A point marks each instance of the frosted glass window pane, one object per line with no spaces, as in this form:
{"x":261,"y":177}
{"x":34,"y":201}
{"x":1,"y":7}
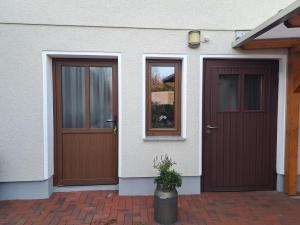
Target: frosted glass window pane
{"x":73,"y":97}
{"x":101,"y":97}
{"x":228,"y":93}
{"x":253,"y":92}
{"x":163,"y":96}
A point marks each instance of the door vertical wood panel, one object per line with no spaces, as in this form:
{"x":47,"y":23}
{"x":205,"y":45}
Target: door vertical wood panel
{"x":240,"y":122}
{"x":85,"y":154}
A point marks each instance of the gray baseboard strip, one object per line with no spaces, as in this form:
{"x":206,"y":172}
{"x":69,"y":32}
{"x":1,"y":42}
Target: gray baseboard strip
{"x":26,"y":190}
{"x":127,"y":186}
{"x":146,"y":186}
{"x":280,"y":183}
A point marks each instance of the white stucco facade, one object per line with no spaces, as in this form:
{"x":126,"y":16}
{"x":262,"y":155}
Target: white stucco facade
{"x":214,"y":14}
{"x":128,"y":30}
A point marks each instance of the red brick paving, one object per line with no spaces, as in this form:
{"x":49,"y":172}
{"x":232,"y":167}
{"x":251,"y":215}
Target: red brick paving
{"x":107,"y":208}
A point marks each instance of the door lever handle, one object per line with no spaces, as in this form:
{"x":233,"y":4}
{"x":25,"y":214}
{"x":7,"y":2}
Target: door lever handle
{"x":115,"y":129}
{"x":114,"y":121}
{"x":211,"y":127}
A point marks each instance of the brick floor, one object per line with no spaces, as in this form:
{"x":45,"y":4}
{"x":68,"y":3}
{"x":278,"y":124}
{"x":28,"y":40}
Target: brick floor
{"x":107,"y":208}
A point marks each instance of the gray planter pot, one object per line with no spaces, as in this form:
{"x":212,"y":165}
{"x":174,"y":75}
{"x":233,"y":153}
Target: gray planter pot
{"x":165,"y":206}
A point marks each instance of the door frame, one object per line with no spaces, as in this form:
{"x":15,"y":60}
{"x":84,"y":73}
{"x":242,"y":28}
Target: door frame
{"x":48,"y":105}
{"x":86,"y":63}
{"x":281,"y":113}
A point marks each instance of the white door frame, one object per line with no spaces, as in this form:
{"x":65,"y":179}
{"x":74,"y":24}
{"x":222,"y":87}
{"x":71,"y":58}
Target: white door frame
{"x":48,"y":128}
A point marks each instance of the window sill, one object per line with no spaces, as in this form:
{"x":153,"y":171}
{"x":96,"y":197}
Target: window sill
{"x":164,"y":138}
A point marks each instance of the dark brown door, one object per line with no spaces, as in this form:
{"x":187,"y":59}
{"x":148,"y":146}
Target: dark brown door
{"x":86,"y":122}
{"x":239,"y":125}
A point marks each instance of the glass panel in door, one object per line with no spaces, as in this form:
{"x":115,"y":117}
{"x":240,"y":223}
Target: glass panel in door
{"x":73,"y":97}
{"x":253,"y":92}
{"x":228,"y":93}
{"x":101,"y":97}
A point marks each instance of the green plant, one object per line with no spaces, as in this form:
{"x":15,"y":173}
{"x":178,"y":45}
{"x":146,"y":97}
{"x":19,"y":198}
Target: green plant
{"x":168,"y":178}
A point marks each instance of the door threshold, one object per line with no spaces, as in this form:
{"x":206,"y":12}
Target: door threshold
{"x":295,"y":196}
{"x":86,"y":188}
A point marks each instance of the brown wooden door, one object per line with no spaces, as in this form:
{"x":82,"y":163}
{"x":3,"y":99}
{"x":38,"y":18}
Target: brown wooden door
{"x":86,"y":122}
{"x":240,"y":125}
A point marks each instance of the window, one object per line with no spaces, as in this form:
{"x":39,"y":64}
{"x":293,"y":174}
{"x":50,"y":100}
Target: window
{"x":101,"y":97}
{"x":253,"y":92}
{"x":73,"y":97}
{"x":163,"y":97}
{"x":87,"y":92}
{"x":228,"y":93}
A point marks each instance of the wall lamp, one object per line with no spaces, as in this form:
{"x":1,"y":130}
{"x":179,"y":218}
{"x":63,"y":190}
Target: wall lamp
{"x":195,"y":39}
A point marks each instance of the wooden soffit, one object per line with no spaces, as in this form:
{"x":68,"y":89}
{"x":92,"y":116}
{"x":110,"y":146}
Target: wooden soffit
{"x":272,"y":43}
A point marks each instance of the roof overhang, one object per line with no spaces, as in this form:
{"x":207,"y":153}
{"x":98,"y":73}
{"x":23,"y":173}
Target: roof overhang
{"x":273,"y":29}
{"x":283,"y":31}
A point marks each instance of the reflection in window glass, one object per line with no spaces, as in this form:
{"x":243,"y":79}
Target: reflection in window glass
{"x":228,"y":93}
{"x":253,"y":92}
{"x":73,"y":97}
{"x":100,"y":97}
{"x":163,"y":96}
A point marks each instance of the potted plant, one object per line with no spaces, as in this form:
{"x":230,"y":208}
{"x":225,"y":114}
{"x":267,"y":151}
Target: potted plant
{"x":165,"y":195}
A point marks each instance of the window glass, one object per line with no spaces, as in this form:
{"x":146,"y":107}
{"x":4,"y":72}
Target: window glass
{"x":73,"y":97}
{"x":228,"y":93}
{"x":163,"y":97}
{"x":101,"y":97}
{"x":253,"y":92}
{"x":163,"y":112}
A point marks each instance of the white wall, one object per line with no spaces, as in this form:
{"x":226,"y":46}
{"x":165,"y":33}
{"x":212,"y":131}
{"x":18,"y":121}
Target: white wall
{"x":21,"y":88}
{"x":21,"y":115}
{"x":177,"y":14}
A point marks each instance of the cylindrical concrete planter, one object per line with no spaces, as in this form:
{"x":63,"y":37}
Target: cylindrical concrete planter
{"x":165,"y":206}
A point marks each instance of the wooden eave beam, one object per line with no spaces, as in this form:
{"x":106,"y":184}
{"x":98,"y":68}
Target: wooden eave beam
{"x":292,"y":121}
{"x":293,"y":22}
{"x":272,"y":43}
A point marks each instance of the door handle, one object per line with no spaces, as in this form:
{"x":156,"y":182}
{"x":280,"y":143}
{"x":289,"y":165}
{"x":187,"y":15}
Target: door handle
{"x":115,"y":124}
{"x":115,"y":129}
{"x":211,"y":127}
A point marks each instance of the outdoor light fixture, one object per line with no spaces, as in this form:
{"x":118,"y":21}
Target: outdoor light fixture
{"x":194,"y":38}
